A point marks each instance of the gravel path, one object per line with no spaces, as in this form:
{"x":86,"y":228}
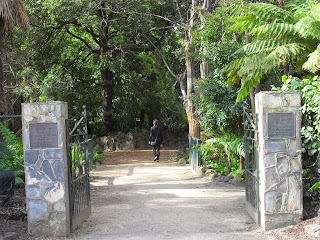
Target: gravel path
{"x":136,"y":198}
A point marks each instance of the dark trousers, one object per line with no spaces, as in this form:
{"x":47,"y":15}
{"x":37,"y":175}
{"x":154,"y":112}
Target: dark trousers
{"x":156,"y":151}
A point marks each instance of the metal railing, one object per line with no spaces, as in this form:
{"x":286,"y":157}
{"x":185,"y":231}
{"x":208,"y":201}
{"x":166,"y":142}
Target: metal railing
{"x":250,"y":141}
{"x":80,"y":158}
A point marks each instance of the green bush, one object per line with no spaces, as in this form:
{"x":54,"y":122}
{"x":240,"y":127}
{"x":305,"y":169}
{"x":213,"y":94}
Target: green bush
{"x":11,"y":153}
{"x":223,"y":153}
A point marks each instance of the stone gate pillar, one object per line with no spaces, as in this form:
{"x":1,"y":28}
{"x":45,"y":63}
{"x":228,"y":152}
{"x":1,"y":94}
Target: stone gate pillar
{"x":45,"y":156}
{"x":278,"y":118}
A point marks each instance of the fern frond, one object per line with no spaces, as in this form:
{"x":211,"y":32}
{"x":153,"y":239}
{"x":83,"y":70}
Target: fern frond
{"x":314,"y":9}
{"x":285,"y":53}
{"x":269,"y":12}
{"x":243,"y":23}
{"x":256,"y":14}
{"x":275,"y":30}
{"x":308,"y":28}
{"x":245,"y":88}
{"x":259,"y":46}
{"x":313,"y":62}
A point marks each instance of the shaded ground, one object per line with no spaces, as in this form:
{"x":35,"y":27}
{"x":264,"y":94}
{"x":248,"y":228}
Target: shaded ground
{"x":136,"y":198}
{"x":13,"y":214}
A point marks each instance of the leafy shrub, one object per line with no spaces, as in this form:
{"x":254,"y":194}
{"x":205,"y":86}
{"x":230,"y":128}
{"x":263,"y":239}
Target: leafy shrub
{"x":222,"y":153}
{"x":11,"y":153}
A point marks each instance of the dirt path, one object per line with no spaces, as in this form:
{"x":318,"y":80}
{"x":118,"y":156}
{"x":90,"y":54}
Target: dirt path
{"x":136,"y":198}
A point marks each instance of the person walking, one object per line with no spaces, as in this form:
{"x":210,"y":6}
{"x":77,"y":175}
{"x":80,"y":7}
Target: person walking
{"x":156,"y":139}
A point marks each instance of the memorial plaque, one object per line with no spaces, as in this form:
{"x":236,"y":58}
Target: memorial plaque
{"x":281,"y":125}
{"x":43,"y":135}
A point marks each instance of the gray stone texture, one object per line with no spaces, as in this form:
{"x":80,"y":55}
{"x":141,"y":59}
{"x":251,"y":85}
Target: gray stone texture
{"x":130,"y":141}
{"x":37,"y":210}
{"x":280,"y":178}
{"x":46,"y":168}
{"x":275,"y":145}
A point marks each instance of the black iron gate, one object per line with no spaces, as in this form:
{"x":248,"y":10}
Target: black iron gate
{"x":194,"y":155}
{"x":251,"y":164}
{"x":80,"y":153}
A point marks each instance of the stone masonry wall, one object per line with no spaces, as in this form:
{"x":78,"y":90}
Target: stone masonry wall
{"x":279,"y":121}
{"x":130,"y":141}
{"x":44,"y":139}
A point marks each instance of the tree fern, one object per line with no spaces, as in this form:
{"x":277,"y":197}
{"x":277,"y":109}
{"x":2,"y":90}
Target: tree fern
{"x":281,"y":36}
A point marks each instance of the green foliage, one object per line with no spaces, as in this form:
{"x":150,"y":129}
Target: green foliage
{"x":97,"y":155}
{"x":315,"y":186}
{"x":11,"y":153}
{"x":310,"y":93}
{"x":223,"y":152}
{"x":214,"y":99}
{"x":216,"y":106}
{"x":280,"y":36}
{"x":60,"y":58}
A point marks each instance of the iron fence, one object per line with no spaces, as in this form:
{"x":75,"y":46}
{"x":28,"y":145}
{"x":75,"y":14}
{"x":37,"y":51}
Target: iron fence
{"x":194,"y":155}
{"x":250,"y":142}
{"x":80,"y":159}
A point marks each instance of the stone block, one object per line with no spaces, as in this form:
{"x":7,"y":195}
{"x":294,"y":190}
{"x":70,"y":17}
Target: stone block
{"x":294,"y":147}
{"x":280,"y":220}
{"x":47,"y":170}
{"x":275,"y":146}
{"x":55,"y":193}
{"x":8,"y":235}
{"x":25,"y":138}
{"x":31,"y":157}
{"x":35,"y":177}
{"x":32,"y":192}
{"x":282,"y":186}
{"x":294,"y":199}
{"x":58,"y":170}
{"x":37,"y":210}
{"x":273,"y":201}
{"x":272,"y":177}
{"x":38,"y":164}
{"x":53,"y":153}
{"x":269,"y":160}
{"x":283,"y":167}
{"x":295,"y":165}
{"x":60,"y":206}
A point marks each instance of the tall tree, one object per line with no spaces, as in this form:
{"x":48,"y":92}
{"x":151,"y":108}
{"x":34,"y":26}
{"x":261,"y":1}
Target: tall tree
{"x":108,"y":30}
{"x":187,"y":22}
{"x":12,"y":13}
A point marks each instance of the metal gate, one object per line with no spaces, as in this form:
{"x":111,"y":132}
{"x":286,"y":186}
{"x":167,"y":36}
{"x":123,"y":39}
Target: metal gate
{"x":80,"y":153}
{"x":251,"y":164}
{"x":194,"y":155}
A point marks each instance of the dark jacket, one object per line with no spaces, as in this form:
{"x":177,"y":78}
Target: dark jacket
{"x":156,"y":134}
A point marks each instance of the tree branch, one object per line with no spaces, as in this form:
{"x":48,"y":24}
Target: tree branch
{"x":82,"y":40}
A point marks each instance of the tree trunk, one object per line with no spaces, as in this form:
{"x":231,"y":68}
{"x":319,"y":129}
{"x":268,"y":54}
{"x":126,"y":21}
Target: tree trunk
{"x":204,"y":66}
{"x":2,"y":80}
{"x":194,"y":126}
{"x":107,"y":80}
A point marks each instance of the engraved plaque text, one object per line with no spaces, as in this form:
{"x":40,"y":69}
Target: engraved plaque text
{"x":281,"y":125}
{"x":43,"y":135}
